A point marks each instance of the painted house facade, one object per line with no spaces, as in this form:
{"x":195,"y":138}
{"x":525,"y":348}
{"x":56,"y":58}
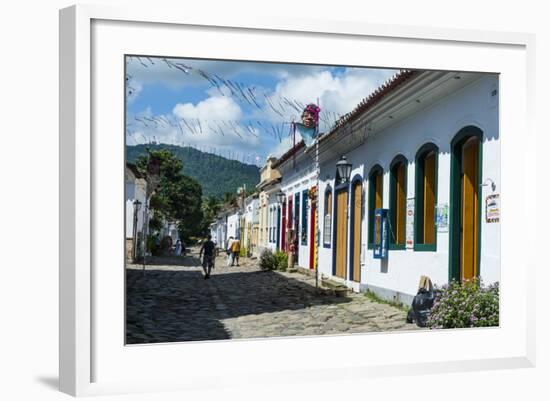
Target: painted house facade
{"x":225,"y":225}
{"x":425,"y":147}
{"x":297,"y":212}
{"x":233,"y":223}
{"x":136,"y":187}
{"x":249,"y":222}
{"x":267,"y":188}
{"x":218,"y":229}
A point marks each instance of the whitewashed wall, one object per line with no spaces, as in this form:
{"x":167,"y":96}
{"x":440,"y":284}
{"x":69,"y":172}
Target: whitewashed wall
{"x":218,"y":231}
{"x":232,"y":225}
{"x":472,"y":105}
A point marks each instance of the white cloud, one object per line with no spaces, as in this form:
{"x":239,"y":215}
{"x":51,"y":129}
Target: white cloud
{"x":281,"y":148}
{"x":213,"y":122}
{"x":337,"y":94}
{"x":339,"y":91}
{"x":213,"y":108}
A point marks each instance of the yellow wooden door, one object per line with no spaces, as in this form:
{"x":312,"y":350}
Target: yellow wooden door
{"x":341,"y":233}
{"x":358,"y":200}
{"x":378,"y":191}
{"x":470,"y":185}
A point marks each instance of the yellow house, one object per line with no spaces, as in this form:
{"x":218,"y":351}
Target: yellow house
{"x":267,"y":188}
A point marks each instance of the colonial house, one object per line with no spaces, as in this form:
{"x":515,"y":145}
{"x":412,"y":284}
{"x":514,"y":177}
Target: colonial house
{"x":249,"y":223}
{"x":170,"y":229}
{"x":135,"y":200}
{"x":268,"y":186}
{"x":297,"y":212}
{"x":218,"y":229}
{"x":425,"y":149}
{"x":225,"y":225}
{"x":233,"y":223}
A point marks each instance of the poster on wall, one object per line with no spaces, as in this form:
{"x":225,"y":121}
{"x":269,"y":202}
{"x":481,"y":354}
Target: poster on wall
{"x":381,"y":234}
{"x":492,"y":208}
{"x":409,"y":241}
{"x":442,"y":218}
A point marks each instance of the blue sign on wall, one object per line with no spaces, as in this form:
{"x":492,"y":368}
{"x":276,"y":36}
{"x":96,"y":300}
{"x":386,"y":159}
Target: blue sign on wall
{"x":381,"y":234}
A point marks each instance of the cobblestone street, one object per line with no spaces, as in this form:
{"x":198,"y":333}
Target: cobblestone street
{"x":172,"y":302}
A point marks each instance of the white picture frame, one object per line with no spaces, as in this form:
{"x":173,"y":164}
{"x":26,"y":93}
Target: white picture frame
{"x":93,"y":358}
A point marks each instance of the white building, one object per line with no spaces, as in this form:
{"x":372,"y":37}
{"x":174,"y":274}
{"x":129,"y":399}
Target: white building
{"x":170,"y":229}
{"x":135,"y":200}
{"x":225,"y":225}
{"x":425,"y":147}
{"x":218,"y":230}
{"x":233,"y":224}
{"x":297,"y":213}
{"x":249,"y":224}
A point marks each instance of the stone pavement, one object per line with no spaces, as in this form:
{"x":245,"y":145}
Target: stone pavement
{"x":173,"y":302}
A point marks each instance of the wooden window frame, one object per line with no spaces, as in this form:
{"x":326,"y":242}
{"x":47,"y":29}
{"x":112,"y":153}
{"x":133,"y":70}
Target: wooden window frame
{"x":419,"y":208}
{"x":327,"y":203}
{"x":374,"y":171}
{"x":396,"y":162}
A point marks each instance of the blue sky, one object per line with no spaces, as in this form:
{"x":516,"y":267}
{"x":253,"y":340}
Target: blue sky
{"x":235,"y":109}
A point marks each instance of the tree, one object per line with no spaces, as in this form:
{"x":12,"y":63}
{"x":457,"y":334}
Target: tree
{"x":210,"y":208}
{"x":178,"y":197}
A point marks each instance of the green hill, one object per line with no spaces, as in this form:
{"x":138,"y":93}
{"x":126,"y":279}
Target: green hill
{"x":216,"y":175}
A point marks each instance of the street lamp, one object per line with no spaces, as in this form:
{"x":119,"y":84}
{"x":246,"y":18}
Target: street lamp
{"x":344,"y":169}
{"x":137,"y":205}
{"x":280,"y":197}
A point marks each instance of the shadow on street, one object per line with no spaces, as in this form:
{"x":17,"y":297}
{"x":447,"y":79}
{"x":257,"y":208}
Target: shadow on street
{"x":179,"y":305}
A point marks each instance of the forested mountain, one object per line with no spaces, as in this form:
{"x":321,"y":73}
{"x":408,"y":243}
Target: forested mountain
{"x":217,"y":175}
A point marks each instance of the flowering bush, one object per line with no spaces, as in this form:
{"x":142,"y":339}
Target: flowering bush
{"x":470,"y":304}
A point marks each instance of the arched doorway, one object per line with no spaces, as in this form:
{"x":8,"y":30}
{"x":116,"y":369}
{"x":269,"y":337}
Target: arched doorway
{"x":465,"y":208}
{"x":340,"y":230}
{"x":356,"y":209}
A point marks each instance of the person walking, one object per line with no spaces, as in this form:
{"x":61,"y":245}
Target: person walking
{"x":207,"y":249}
{"x":229,"y":253}
{"x":235,"y":250}
{"x":178,"y":248}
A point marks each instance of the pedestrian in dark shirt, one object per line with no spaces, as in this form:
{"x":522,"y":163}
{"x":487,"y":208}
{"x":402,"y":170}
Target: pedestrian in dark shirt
{"x":207,"y":249}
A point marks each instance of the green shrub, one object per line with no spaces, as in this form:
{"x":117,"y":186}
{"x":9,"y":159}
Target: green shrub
{"x":267,"y":260}
{"x":152,"y":246}
{"x":243,"y":253}
{"x":470,"y":304}
{"x":273,"y":261}
{"x":281,"y":260}
{"x":165,"y":244}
